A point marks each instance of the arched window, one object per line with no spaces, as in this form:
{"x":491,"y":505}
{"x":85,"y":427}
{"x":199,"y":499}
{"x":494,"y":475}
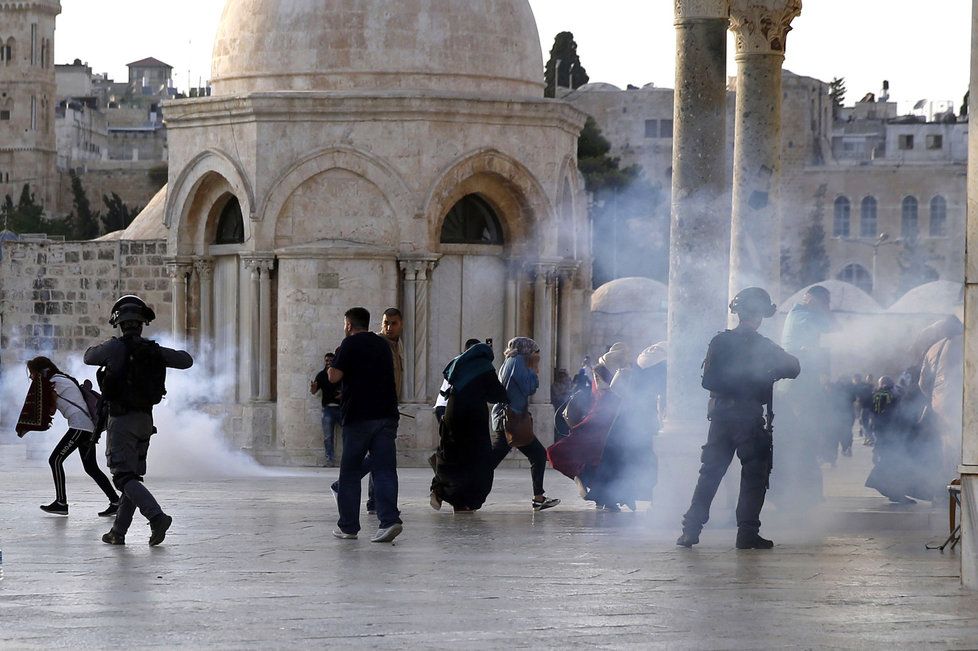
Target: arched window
{"x":843,"y":212}
{"x":7,"y":51}
{"x":857,"y":275}
{"x":471,"y":221}
{"x":908,"y":220}
{"x":938,"y":217}
{"x":867,"y":218}
{"x":230,"y":225}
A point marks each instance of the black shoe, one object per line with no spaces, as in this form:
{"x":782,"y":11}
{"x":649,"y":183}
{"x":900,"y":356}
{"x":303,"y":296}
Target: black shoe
{"x":56,"y":508}
{"x":109,"y":512}
{"x":114,"y":538}
{"x":688,"y":539}
{"x":159,"y":525}
{"x":753,"y":540}
{"x":545,"y":503}
{"x":371,"y":507}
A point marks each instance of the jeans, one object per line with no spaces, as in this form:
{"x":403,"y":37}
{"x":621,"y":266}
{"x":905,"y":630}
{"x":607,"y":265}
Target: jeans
{"x":535,"y":452}
{"x":376,"y":438}
{"x":331,"y":418}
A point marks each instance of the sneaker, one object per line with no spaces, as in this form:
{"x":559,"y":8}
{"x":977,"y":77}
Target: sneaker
{"x":334,"y":490}
{"x":688,"y":539}
{"x":342,"y":535}
{"x":113,"y":538}
{"x":581,"y":488}
{"x":545,"y":503}
{"x":389,"y":534}
{"x":434,"y":501}
{"x":610,"y":508}
{"x":159,"y":526}
{"x":753,"y":540}
{"x":112,"y":510}
{"x":56,"y":508}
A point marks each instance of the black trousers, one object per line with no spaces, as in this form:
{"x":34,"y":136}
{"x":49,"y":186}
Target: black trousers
{"x":752,"y":444}
{"x":76,"y":439}
{"x":535,"y":452}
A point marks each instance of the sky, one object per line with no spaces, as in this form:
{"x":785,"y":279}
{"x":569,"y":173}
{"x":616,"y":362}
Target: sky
{"x":922,"y":48}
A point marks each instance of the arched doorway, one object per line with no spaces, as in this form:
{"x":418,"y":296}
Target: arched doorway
{"x":223,"y":331}
{"x":469,"y":285}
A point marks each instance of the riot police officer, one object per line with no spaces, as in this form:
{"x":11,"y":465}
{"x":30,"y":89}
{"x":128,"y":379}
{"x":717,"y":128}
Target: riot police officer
{"x":740,"y":370}
{"x":132,"y":381}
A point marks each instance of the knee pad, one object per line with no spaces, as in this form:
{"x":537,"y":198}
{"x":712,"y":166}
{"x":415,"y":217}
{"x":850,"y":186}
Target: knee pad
{"x":124,"y":478}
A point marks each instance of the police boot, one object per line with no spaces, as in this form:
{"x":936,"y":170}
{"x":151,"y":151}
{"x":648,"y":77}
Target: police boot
{"x":752,"y":540}
{"x":689,"y":538}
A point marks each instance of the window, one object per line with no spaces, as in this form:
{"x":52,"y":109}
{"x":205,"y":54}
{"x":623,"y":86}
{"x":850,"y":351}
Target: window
{"x":33,"y":113}
{"x":7,"y":52}
{"x":905,"y":141}
{"x":665,"y":128}
{"x":857,"y":275}
{"x":230,"y":225}
{"x":908,"y":221}
{"x":938,"y":217}
{"x":4,"y":115}
{"x":843,"y":211}
{"x":867,"y":218}
{"x":935,"y":142}
{"x":471,"y":221}
{"x":651,"y":128}
{"x":33,"y":43}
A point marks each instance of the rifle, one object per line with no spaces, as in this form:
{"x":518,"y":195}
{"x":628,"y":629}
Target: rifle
{"x":769,"y":428}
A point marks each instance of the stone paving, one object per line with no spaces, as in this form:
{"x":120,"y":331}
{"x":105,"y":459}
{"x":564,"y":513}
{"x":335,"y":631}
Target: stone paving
{"x":250,"y":563}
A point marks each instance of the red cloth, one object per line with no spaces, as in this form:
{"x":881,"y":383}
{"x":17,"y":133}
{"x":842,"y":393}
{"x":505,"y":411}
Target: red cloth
{"x":39,"y":407}
{"x":584,"y":445}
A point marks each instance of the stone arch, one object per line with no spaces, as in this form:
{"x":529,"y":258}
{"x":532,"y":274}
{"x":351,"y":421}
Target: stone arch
{"x":856,"y":274}
{"x":371,"y":169}
{"x":207,"y":180}
{"x":568,"y":192}
{"x":515,"y":194}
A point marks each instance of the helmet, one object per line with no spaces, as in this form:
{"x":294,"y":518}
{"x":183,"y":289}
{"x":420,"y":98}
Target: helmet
{"x":131,"y":308}
{"x":753,"y":301}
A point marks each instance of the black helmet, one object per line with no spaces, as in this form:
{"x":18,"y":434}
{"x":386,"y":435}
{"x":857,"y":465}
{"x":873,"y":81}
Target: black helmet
{"x":131,"y":308}
{"x":753,"y":301}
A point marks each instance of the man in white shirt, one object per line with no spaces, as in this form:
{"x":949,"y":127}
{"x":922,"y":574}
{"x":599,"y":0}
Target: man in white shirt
{"x":71,"y":403}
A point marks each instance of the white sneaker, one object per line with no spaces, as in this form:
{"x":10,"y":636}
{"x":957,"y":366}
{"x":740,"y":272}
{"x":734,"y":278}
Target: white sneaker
{"x":336,"y":496}
{"x":342,"y":535}
{"x":389,"y":534}
{"x":581,"y":488}
{"x":434,"y":501}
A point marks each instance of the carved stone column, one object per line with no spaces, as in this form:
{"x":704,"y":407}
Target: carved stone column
{"x":969,"y":443}
{"x":254,"y":266}
{"x":565,"y":317}
{"x":700,"y":228}
{"x":761,"y":27}
{"x":266,"y":267}
{"x":512,"y":301}
{"x":205,"y":276}
{"x":179,"y":271}
{"x":422,"y":312}
{"x":409,"y":274}
{"x":543,"y":329}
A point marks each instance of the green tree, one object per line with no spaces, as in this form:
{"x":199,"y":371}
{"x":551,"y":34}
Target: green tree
{"x":27,"y":216}
{"x":964,"y":104}
{"x":601,"y":170}
{"x":117,"y":214}
{"x":915,"y":268}
{"x":570,"y":72}
{"x":84,"y":223}
{"x":837,"y":93}
{"x":814,"y":263}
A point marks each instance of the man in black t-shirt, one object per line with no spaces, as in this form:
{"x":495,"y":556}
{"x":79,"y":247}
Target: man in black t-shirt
{"x":331,"y":406}
{"x":364,"y":368}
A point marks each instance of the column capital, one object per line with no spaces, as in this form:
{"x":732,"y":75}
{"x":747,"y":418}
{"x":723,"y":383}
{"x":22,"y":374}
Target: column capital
{"x":762,"y":26}
{"x":204,"y":266}
{"x":701,"y":9}
{"x":178,"y":268}
{"x":417,"y":267}
{"x":544,"y":267}
{"x":258,"y":261}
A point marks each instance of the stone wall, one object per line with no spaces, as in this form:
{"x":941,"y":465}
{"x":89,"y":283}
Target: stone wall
{"x":56,"y":296}
{"x":136,"y":182}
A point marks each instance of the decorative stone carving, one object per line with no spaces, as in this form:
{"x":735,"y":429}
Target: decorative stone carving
{"x":762,"y":26}
{"x":698,"y":9}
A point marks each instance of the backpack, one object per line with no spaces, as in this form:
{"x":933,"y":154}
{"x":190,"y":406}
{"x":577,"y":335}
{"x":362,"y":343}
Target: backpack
{"x":141,"y":382}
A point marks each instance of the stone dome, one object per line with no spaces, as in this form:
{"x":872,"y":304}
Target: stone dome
{"x":486,"y":47}
{"x":627,"y":295}
{"x":937,"y":297}
{"x":845,"y":297}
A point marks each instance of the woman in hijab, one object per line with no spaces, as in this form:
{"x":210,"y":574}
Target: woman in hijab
{"x":519,"y":376}
{"x":463,"y":462}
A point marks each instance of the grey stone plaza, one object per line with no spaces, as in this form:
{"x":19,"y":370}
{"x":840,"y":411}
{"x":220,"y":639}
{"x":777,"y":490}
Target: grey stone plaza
{"x":250,"y":563}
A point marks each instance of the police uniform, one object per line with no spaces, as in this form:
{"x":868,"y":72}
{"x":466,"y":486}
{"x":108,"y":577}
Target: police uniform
{"x":740,"y":369}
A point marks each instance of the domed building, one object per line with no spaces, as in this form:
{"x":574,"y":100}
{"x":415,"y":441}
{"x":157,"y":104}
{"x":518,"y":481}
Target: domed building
{"x":363,"y":152}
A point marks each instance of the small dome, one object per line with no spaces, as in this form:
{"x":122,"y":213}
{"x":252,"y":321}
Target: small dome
{"x":148,"y":224}
{"x":846,"y":297}
{"x":599,"y":87}
{"x":489,"y":47}
{"x":938,"y":297}
{"x":626,"y":295}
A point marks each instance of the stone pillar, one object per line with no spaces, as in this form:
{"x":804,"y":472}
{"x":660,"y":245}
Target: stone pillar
{"x":205,"y":276}
{"x":700,"y":236}
{"x":253,"y":265}
{"x":265,"y":266}
{"x":409,"y":274}
{"x":565,"y":317}
{"x":543,"y":306}
{"x":969,"y":443}
{"x":761,"y":27}
{"x":179,"y":272}
{"x":512,"y":302}
{"x":422,"y":313}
